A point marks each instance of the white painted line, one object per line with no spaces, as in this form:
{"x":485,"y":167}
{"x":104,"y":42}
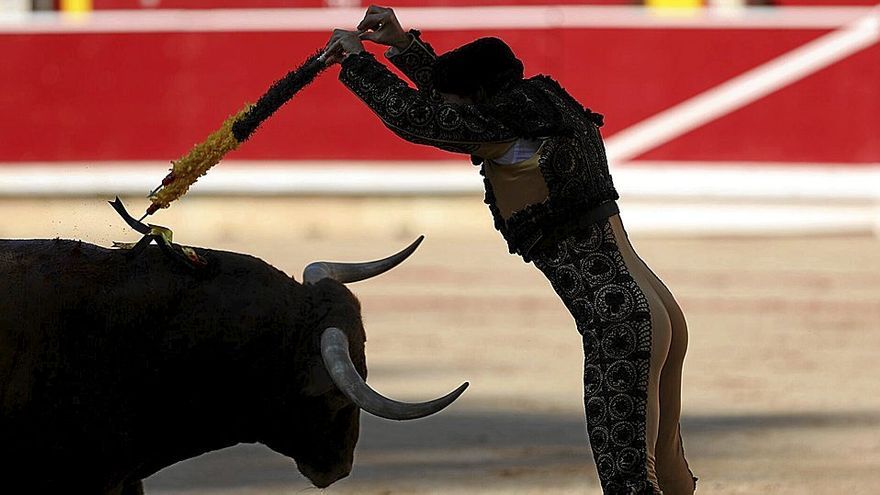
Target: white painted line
{"x":245,"y":178}
{"x":748,"y":219}
{"x":752,"y":181}
{"x":666,"y":198}
{"x":745,"y":88}
{"x":635,"y":180}
{"x":429,"y":18}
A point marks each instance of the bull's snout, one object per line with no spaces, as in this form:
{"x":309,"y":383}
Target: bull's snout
{"x":324,"y":477}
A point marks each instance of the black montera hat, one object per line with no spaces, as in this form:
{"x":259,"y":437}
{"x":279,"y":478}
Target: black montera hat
{"x":486,"y":63}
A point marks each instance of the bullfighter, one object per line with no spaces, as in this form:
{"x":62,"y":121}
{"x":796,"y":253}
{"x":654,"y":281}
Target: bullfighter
{"x":553,"y":200}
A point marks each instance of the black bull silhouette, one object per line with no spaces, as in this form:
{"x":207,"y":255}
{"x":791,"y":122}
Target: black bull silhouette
{"x":114,"y":367}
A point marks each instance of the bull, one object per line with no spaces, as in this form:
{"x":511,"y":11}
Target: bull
{"x":114,"y":367}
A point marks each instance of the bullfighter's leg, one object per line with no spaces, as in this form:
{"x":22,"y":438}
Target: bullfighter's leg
{"x":673,"y":472}
{"x":659,"y":332}
{"x":661,"y":339}
{"x":626,"y":334}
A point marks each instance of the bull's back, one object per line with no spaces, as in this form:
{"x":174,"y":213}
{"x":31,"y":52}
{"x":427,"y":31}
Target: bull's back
{"x":56,"y":275}
{"x":73,"y":311}
{"x":46,"y":281}
{"x":53,"y":293}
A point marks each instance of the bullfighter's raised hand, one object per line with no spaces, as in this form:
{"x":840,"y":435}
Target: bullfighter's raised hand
{"x":382,"y":27}
{"x":341,"y":44}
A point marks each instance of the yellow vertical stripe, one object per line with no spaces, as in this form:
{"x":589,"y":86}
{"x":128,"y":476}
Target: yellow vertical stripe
{"x":76,"y":5}
{"x":674,"y":4}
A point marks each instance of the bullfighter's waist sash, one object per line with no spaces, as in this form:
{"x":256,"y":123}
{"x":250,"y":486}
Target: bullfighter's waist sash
{"x":552,"y":234}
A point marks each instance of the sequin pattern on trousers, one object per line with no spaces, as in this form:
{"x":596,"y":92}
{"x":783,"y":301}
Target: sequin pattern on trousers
{"x":612,"y":314}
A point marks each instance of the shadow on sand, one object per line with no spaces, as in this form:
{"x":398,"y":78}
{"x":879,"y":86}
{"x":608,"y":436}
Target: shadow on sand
{"x":494,"y":443}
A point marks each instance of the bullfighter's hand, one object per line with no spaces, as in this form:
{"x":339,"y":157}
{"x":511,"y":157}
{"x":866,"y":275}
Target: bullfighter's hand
{"x":342,"y":43}
{"x":383,"y":28}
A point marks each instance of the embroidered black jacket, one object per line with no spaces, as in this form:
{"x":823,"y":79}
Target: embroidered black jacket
{"x":572,"y":160}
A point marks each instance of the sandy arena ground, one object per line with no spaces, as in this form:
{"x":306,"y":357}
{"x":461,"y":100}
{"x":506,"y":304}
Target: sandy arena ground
{"x":780,"y":384}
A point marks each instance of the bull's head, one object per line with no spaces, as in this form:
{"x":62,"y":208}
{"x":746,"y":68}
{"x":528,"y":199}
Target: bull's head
{"x":323,"y":446}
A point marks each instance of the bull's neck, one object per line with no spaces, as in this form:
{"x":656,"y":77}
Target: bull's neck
{"x":217,"y":395}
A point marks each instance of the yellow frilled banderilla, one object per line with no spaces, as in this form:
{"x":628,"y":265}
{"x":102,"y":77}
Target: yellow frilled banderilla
{"x":234,"y":131}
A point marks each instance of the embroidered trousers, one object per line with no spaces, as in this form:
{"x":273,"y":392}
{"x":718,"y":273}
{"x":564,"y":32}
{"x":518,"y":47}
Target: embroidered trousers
{"x":635,"y":339}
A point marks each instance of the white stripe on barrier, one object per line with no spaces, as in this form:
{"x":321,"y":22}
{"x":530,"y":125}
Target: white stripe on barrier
{"x":244,"y":178}
{"x":658,"y":197}
{"x":434,"y":18}
{"x":774,"y":219}
{"x":722,"y":180}
{"x":745,"y":89}
{"x":749,"y":181}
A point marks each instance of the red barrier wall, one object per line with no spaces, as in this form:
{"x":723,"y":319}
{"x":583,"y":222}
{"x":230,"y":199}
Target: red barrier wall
{"x":204,"y":4}
{"x":255,"y":4}
{"x":258,"y":4}
{"x":132,"y":96}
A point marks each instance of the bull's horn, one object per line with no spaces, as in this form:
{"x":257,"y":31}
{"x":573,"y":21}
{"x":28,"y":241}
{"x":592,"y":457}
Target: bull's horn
{"x":334,"y":350}
{"x":353,"y":272}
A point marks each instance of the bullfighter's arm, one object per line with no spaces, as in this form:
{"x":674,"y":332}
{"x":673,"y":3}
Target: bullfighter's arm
{"x":416,"y":116}
{"x":416,"y":61}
